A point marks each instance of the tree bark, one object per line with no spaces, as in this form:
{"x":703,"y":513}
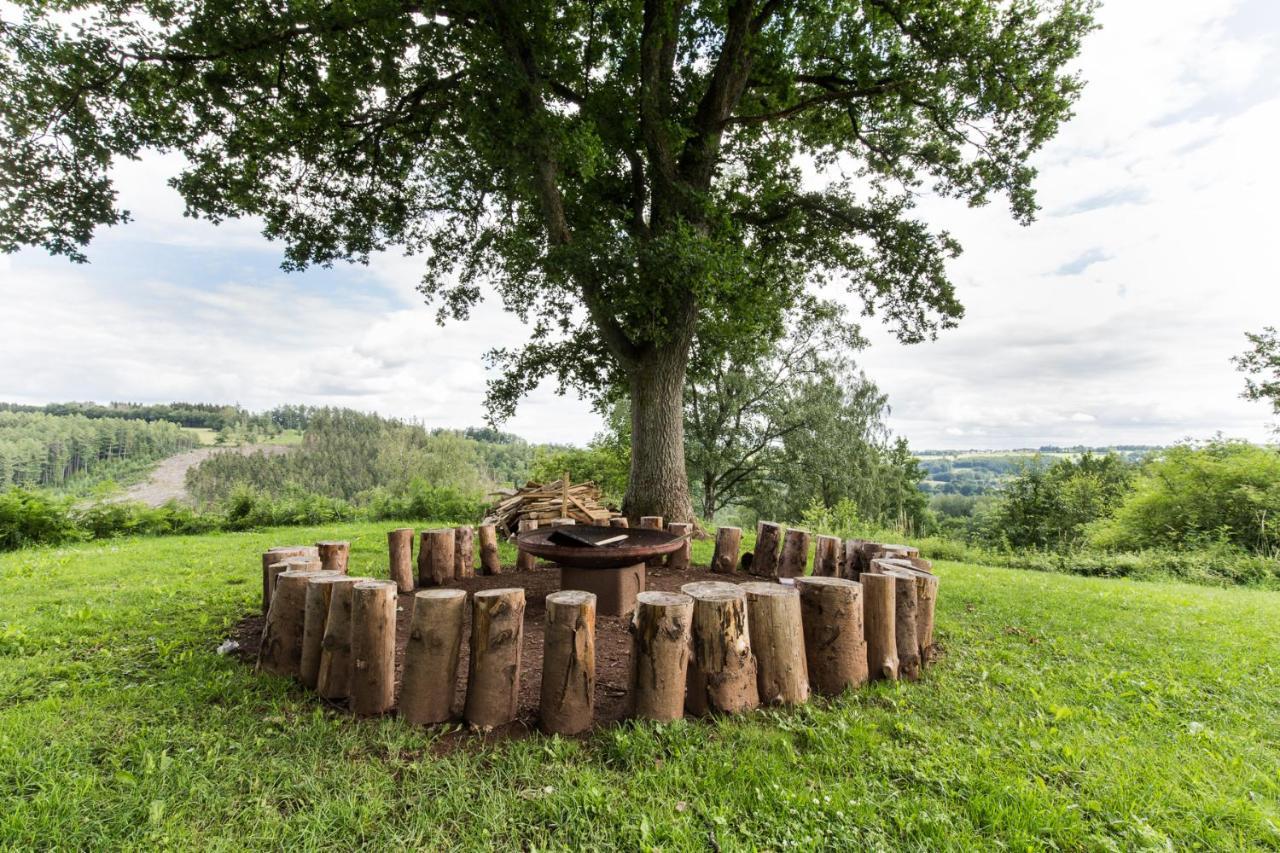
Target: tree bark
{"x":333,"y":681}
{"x":878,"y":596}
{"x":319,"y":592}
{"x":777,"y":641}
{"x":493,"y":673}
{"x":725,"y":559}
{"x":373,"y":647}
{"x":281,"y":649}
{"x":660,"y":638}
{"x":722,"y":670}
{"x":524,"y":560}
{"x":795,"y":554}
{"x":851,"y":562}
{"x":679,"y":560}
{"x":400,"y":550}
{"x":619,"y":521}
{"x":490,"y":557}
{"x":905,"y":632}
{"x":464,"y":552}
{"x":274,"y":556}
{"x":334,"y":556}
{"x":764,"y":560}
{"x":431,"y":656}
{"x":826,"y":557}
{"x":435,"y":557}
{"x":568,"y":696}
{"x":926,"y":599}
{"x":658,"y":483}
{"x":835,"y":646}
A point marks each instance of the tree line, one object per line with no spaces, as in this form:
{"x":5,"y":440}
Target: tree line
{"x":38,"y":449}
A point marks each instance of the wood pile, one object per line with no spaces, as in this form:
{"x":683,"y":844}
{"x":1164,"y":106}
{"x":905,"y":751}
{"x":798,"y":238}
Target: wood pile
{"x":545,"y":502}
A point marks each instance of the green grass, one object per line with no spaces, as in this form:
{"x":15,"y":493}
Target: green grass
{"x":1068,"y":712}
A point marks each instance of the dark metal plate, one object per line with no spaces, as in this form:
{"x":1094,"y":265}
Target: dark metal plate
{"x":641,"y":544}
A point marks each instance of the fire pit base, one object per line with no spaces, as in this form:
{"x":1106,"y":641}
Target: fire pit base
{"x":615,"y":589}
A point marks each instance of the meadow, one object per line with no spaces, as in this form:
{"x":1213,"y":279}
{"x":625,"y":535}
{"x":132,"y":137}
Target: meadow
{"x":1068,"y":712}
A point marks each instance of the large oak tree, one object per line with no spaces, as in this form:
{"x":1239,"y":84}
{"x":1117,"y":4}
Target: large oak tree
{"x":625,"y":175}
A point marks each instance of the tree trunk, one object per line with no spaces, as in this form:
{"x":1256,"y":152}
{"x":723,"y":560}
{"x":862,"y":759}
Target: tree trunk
{"x":431,"y":656}
{"x":334,"y":556}
{"x":658,"y":483}
{"x":835,"y":646}
{"x":281,"y":649}
{"x":334,"y":678}
{"x":679,"y":560}
{"x":905,"y":633}
{"x":795,"y":554}
{"x":777,"y":641}
{"x":568,"y":696}
{"x":826,"y":557}
{"x":851,"y":561}
{"x":400,"y":550}
{"x":464,"y":552}
{"x":725,"y":559}
{"x":722,"y":671}
{"x":524,"y":560}
{"x":493,"y":671}
{"x":318,"y":595}
{"x":373,"y":647}
{"x":490,"y":561}
{"x":764,"y":560}
{"x":926,"y":598}
{"x":435,"y":557}
{"x":277,"y":555}
{"x":877,"y":613}
{"x":660,"y":655}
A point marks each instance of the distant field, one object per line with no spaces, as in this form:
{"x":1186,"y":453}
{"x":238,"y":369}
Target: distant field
{"x":205,"y":436}
{"x":209,"y":437}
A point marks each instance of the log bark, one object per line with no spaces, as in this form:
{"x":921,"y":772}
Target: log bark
{"x":524,"y":560}
{"x":851,"y":560}
{"x":334,"y":556}
{"x":464,"y":552}
{"x":826,"y":557}
{"x":764,"y":559}
{"x":724,"y":561}
{"x":878,"y":601}
{"x":281,"y":649}
{"x":400,"y":553}
{"x":373,"y":647}
{"x":905,"y":632}
{"x":493,"y":673}
{"x":926,"y":601}
{"x":274,"y":556}
{"x":288,"y":564}
{"x":560,"y":522}
{"x":652,"y":522}
{"x":333,"y":681}
{"x":619,"y":521}
{"x":435,"y":557}
{"x":679,"y":559}
{"x":568,"y":697}
{"x":319,"y":592}
{"x":777,"y":641}
{"x":490,"y":559}
{"x":795,"y":554}
{"x":660,"y":639}
{"x":431,"y":656}
{"x":834,"y":642}
{"x":722,"y":669}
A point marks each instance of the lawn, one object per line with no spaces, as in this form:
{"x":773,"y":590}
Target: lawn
{"x":1070,"y":712}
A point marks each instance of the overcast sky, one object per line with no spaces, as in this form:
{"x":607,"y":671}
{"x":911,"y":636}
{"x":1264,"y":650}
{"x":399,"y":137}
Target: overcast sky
{"x":1111,"y":320}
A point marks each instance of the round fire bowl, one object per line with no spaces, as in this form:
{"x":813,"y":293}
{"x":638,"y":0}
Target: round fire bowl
{"x":640,"y":545}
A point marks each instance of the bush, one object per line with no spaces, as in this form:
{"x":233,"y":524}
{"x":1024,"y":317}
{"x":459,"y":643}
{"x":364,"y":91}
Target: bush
{"x":32,"y":518}
{"x":424,"y":501}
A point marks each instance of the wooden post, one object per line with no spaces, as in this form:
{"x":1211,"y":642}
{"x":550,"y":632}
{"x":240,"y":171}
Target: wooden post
{"x":660,"y":636}
{"x":333,"y":680}
{"x":281,"y":649}
{"x":652,"y":522}
{"x":373,"y":647}
{"x":905,"y":633}
{"x":795,"y":554}
{"x":851,"y":561}
{"x":493,"y":673}
{"x":334,"y":556}
{"x":777,"y":641}
{"x":878,"y":593}
{"x":764,"y":559}
{"x":568,"y":697}
{"x":722,"y":670}
{"x":490,"y":560}
{"x":288,"y":564}
{"x":619,"y":521}
{"x":524,"y":560}
{"x":274,"y":556}
{"x":400,"y":552}
{"x":725,"y":559}
{"x":318,"y":594}
{"x":834,"y":640}
{"x":826,"y":557}
{"x":926,"y":585}
{"x":431,"y":656}
{"x":679,"y":559}
{"x":435,"y":559}
{"x":464,"y":552}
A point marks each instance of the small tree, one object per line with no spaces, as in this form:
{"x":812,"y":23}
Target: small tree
{"x":1261,"y":366}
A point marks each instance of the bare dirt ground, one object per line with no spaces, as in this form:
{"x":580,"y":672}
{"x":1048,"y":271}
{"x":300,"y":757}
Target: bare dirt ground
{"x":168,"y":481}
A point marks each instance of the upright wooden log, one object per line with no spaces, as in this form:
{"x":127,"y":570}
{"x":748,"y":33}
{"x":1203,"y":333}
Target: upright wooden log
{"x":926,"y":600}
{"x":679,"y":559}
{"x":400,"y":554}
{"x":333,"y":681}
{"x":274,"y":556}
{"x":619,"y":521}
{"x":319,"y":592}
{"x":305,"y":563}
{"x":725,"y":558}
{"x":764,"y":559}
{"x":851,"y":560}
{"x":660,"y":638}
{"x":431,"y":656}
{"x":373,"y":647}
{"x":568,"y":696}
{"x":834,"y":642}
{"x":777,"y":641}
{"x":905,"y":633}
{"x":826,"y":557}
{"x":524,"y":560}
{"x":493,"y":672}
{"x":334,"y":556}
{"x":464,"y":552}
{"x":722,"y":670}
{"x":795,"y":554}
{"x":281,"y":649}
{"x":652,"y":522}
{"x":438,"y":566}
{"x":490,"y":560}
{"x":878,"y":601}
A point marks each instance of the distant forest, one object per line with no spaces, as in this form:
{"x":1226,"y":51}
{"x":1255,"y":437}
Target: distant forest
{"x":980,"y":472}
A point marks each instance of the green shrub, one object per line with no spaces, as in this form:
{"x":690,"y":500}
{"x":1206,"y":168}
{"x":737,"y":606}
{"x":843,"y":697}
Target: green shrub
{"x":424,"y":501}
{"x":33,"y":518}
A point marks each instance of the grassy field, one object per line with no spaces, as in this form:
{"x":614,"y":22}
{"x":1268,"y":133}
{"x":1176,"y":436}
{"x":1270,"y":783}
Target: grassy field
{"x":209,"y":437}
{"x":1068,"y":712}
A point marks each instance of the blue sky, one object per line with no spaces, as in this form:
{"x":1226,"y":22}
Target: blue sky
{"x":1112,"y":319}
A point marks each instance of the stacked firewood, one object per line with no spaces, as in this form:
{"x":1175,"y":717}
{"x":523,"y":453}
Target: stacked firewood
{"x":543,"y":503}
